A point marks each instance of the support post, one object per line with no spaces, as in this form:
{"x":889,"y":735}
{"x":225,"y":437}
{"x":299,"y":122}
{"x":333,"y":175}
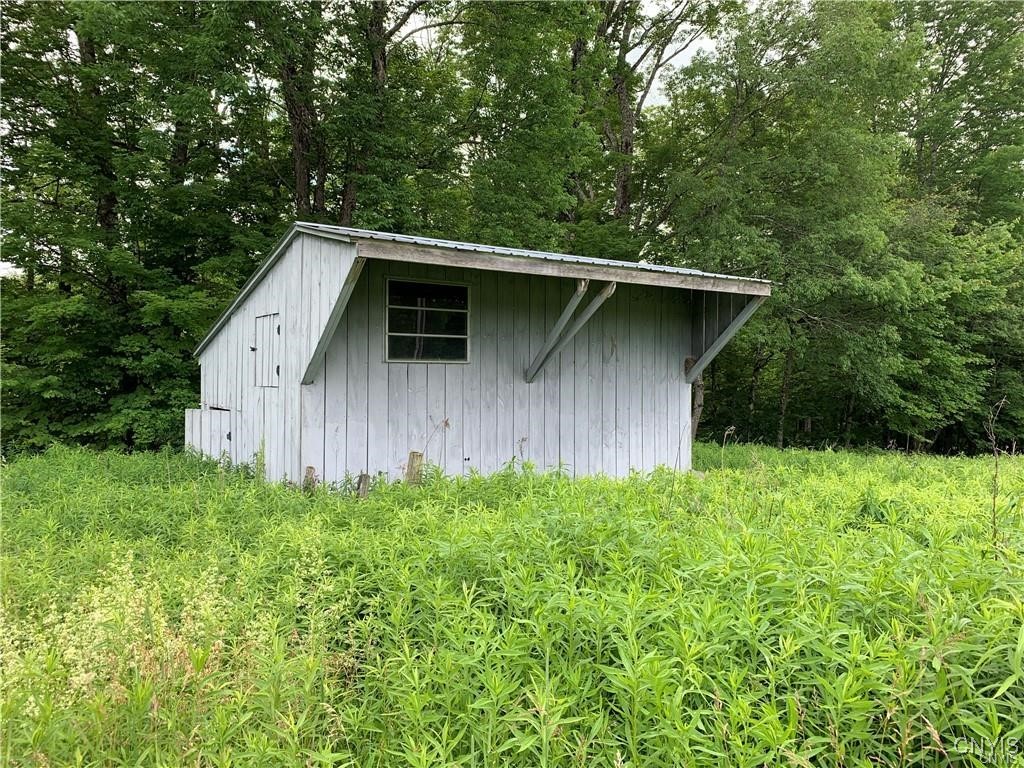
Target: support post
{"x":363,"y":485}
{"x":414,"y":469}
{"x":332,"y":321}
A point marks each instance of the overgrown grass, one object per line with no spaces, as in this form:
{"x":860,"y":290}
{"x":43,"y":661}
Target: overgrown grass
{"x":790,"y":608}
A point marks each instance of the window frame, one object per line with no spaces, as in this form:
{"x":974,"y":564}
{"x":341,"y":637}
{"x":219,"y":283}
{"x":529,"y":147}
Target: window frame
{"x":468,"y":311}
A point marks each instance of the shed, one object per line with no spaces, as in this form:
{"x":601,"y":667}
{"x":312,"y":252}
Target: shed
{"x":348,"y":349}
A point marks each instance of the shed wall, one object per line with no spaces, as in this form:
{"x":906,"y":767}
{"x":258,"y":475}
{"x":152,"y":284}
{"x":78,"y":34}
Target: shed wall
{"x":301,"y":289}
{"x":612,"y":400}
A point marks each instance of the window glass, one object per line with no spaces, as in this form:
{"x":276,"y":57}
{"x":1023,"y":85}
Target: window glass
{"x":421,"y":321}
{"x":432,"y":295}
{"x":426,"y":348}
{"x":427,"y":322}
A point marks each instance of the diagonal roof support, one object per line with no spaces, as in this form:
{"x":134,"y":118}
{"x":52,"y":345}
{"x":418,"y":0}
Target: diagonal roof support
{"x":555,"y":342}
{"x":556,"y":331}
{"x":332,"y":321}
{"x":723,"y":338}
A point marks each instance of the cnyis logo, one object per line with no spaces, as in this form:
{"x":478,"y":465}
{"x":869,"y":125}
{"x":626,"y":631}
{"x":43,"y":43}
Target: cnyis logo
{"x":1001,"y":752}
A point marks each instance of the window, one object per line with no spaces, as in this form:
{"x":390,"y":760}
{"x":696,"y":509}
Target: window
{"x":427,"y":322}
{"x":266,"y":348}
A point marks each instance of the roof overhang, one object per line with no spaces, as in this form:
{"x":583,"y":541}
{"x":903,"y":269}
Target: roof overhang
{"x":386,"y":246}
{"x":450,"y":253}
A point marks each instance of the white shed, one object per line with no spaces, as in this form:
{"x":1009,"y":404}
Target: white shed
{"x":348,"y":349}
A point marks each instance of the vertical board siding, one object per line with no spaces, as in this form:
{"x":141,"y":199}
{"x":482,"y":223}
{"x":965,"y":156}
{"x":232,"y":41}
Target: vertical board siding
{"x":301,"y":289}
{"x":610,"y":402}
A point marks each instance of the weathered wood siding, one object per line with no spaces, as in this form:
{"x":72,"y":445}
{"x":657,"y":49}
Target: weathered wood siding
{"x":613,"y":400}
{"x":301,"y":288}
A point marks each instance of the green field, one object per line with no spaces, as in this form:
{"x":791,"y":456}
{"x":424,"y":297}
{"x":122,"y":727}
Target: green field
{"x":789,"y":608}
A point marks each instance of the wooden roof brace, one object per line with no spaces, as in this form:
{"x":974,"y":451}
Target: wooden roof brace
{"x":556,"y":331}
{"x":557,"y":339}
{"x":730,"y":330}
{"x":332,"y":321}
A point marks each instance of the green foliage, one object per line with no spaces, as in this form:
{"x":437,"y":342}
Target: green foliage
{"x":785,"y":154}
{"x":865,"y":156}
{"x":788,"y":608}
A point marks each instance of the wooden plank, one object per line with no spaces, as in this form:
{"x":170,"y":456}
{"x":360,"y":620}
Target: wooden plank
{"x":488,"y":457}
{"x":239,"y":357}
{"x":657,"y":406}
{"x":685,"y":438}
{"x":506,"y":366}
{"x":377,"y":404}
{"x":608,"y":353}
{"x":336,"y":405}
{"x":680,"y":332}
{"x":471,"y":375}
{"x":433,"y":449}
{"x":317,"y":278}
{"x":567,"y":399}
{"x":520,"y":333}
{"x":537,"y":327}
{"x":313,"y":397}
{"x":582,"y":319}
{"x":648,"y":344}
{"x":417,"y":409}
{"x":581,"y":415}
{"x":358,"y":352}
{"x":191,"y":416}
{"x":394,"y":251}
{"x":337,"y":310}
{"x":595,"y":403}
{"x":637,"y":331}
{"x":552,"y":384}
{"x":398,"y":418}
{"x":291,"y":352}
{"x":625,"y":383}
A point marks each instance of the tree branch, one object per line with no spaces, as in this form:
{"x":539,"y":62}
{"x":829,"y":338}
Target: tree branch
{"x":424,"y":27}
{"x":404,"y":18}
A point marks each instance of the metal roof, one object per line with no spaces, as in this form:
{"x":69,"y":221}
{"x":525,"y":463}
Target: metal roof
{"x":504,"y":259}
{"x":564,"y":258}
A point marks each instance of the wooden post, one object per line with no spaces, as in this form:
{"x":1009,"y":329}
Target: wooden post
{"x":309,"y":479}
{"x":697,"y":400}
{"x":363,"y":486}
{"x":414,"y":469}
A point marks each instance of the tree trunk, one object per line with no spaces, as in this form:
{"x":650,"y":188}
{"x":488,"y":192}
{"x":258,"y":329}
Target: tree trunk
{"x":627,"y":131}
{"x":376,"y":34}
{"x":298,"y":88}
{"x":848,"y":422}
{"x":296,"y":101}
{"x":760,"y":364}
{"x":105,"y":185}
{"x":787,"y":375}
{"x":696,"y":399}
{"x":179,"y":151}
